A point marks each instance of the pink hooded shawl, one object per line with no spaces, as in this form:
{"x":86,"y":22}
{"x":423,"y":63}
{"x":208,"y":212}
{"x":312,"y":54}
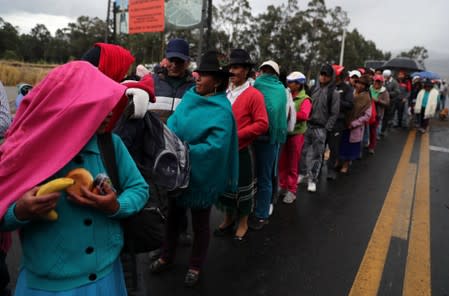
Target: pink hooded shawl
{"x":54,"y":122}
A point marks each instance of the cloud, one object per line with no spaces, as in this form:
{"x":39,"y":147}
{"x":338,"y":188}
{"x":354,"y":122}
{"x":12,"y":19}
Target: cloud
{"x":72,"y":9}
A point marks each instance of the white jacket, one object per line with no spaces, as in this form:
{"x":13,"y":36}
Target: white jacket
{"x":432,"y":103}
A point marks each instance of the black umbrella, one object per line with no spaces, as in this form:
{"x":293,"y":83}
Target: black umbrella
{"x":401,"y":63}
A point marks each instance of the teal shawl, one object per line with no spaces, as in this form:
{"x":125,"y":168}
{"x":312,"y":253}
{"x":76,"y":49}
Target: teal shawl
{"x":207,"y":124}
{"x":276,"y":103}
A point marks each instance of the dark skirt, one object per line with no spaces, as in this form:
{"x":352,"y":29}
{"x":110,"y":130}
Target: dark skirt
{"x":240,"y":204}
{"x":349,"y":151}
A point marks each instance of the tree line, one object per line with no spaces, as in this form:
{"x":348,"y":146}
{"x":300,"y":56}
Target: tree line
{"x":297,"y":38}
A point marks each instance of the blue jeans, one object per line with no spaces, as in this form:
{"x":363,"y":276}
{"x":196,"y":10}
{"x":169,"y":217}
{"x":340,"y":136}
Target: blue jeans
{"x":265,"y":165}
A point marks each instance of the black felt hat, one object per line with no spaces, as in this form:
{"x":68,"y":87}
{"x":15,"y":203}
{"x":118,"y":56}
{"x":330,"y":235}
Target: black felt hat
{"x":211,"y":63}
{"x":240,"y":57}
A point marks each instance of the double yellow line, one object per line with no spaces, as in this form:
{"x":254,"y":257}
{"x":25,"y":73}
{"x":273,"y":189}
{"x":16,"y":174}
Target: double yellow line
{"x":394,"y":219}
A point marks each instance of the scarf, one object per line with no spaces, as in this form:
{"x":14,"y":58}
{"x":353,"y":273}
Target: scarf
{"x":213,"y":146}
{"x":53,"y":123}
{"x":376,"y":92}
{"x":275,"y":101}
{"x":362,"y":102}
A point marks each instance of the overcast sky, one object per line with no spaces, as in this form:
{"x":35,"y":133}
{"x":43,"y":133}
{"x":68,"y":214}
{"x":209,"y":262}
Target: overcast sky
{"x":392,"y":24}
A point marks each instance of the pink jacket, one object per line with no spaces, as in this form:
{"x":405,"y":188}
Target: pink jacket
{"x":358,"y":126}
{"x":53,"y":123}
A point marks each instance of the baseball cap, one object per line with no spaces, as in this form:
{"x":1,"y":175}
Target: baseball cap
{"x":177,"y":48}
{"x":386,"y":73}
{"x":271,"y":64}
{"x":355,"y":73}
{"x":296,"y":77}
{"x":378,"y":77}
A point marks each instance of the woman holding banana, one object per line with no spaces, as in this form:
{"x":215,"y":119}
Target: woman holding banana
{"x":54,"y":132}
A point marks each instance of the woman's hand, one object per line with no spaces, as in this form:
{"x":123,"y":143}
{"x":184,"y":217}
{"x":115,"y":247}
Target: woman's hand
{"x":30,"y":206}
{"x":106,"y":203}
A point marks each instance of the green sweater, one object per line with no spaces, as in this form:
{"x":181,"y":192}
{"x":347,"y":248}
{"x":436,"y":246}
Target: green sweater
{"x":82,"y":245}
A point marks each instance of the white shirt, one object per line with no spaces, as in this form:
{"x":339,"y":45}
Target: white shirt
{"x":234,"y":92}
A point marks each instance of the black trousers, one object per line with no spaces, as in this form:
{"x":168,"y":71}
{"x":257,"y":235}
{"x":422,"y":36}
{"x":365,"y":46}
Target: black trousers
{"x":333,"y":141}
{"x":399,"y":108}
{"x":4,"y":274}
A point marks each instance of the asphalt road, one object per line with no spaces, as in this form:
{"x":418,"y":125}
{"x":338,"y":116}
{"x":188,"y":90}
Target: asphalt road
{"x":382,"y":229}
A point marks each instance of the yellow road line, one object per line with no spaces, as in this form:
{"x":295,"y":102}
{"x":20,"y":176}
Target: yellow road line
{"x":402,"y":221}
{"x":417,"y":279}
{"x":369,"y":275}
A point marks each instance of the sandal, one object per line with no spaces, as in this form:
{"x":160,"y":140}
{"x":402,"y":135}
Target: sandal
{"x":192,"y":278}
{"x":158,"y":266}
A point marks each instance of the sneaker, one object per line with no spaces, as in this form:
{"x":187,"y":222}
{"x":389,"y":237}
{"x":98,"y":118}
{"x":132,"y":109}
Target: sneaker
{"x":311,"y":187}
{"x":271,"y":210}
{"x":282,"y":192}
{"x":301,"y":179}
{"x":255,"y":223}
{"x":289,"y":198}
{"x":371,"y":151}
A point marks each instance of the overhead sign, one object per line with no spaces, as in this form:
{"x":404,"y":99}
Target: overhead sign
{"x":183,"y":14}
{"x":146,"y":16}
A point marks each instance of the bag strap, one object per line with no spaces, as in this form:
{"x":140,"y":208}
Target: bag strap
{"x":107,"y":153}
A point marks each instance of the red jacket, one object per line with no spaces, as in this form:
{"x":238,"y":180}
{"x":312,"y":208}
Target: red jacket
{"x":251,"y":116}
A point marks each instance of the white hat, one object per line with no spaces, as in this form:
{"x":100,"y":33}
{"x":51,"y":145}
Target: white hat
{"x":355,"y":73}
{"x":271,"y":64}
{"x":386,"y":73}
{"x":296,"y":77}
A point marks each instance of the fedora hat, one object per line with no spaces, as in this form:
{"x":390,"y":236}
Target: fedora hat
{"x":240,"y":57}
{"x":210,"y":63}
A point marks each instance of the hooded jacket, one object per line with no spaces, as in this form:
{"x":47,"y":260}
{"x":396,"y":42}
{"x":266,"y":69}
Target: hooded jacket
{"x":326,"y":107}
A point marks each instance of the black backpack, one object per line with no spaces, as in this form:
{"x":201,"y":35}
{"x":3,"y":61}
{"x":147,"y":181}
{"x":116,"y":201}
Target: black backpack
{"x":144,"y":231}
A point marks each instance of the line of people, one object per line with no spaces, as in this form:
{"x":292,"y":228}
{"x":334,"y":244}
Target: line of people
{"x":251,"y":139}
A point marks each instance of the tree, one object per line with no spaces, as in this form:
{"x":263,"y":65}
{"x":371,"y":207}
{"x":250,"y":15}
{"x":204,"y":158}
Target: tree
{"x":9,"y":38}
{"x":235,"y":19}
{"x":358,"y":50}
{"x":418,"y":53}
{"x":84,"y":33}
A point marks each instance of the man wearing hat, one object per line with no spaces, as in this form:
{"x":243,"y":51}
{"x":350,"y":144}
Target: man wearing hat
{"x":346,"y":103}
{"x":170,"y":84}
{"x":393,"y":89}
{"x":249,"y":111}
{"x":325,"y":111}
{"x":267,"y":147}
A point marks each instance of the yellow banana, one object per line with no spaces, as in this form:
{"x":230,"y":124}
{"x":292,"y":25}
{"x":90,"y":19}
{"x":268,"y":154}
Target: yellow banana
{"x":54,"y":186}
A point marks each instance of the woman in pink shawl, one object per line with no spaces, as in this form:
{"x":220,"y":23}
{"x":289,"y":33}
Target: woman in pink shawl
{"x":55,"y":131}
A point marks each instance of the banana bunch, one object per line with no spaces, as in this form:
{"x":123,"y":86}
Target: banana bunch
{"x":54,"y":186}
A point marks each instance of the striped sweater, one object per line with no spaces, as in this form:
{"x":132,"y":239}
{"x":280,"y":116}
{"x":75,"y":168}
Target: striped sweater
{"x":5,"y":114}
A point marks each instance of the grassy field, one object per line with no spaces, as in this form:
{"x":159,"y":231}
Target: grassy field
{"x":14,"y":72}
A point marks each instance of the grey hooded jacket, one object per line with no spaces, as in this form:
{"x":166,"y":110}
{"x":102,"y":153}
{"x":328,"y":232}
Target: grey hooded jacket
{"x":325,"y":109}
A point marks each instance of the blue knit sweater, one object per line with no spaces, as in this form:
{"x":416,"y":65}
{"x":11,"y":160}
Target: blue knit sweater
{"x":82,"y":245}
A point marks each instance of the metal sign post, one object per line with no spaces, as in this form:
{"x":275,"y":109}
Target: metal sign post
{"x":200,"y":41}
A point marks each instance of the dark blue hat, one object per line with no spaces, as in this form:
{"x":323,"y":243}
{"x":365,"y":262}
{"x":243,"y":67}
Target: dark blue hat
{"x":177,"y":48}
